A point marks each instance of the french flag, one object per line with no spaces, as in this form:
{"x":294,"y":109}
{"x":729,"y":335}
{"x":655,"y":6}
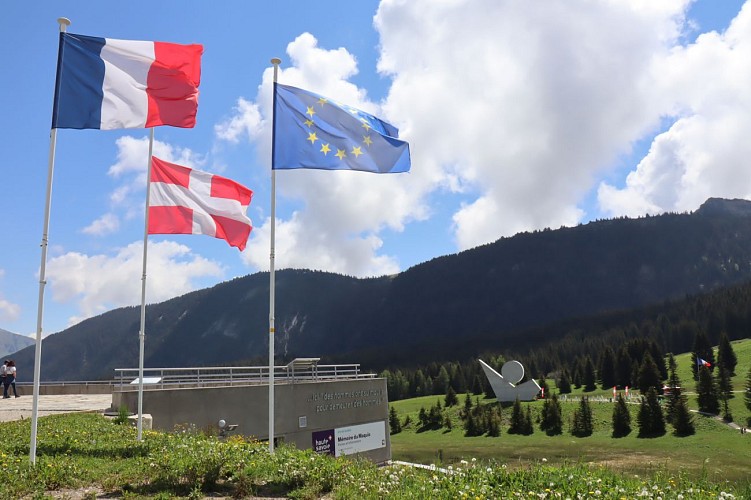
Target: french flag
{"x":188,"y":201}
{"x":104,"y":83}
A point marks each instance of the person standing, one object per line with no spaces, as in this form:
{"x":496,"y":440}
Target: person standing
{"x":10,"y":378}
{"x":3,"y":370}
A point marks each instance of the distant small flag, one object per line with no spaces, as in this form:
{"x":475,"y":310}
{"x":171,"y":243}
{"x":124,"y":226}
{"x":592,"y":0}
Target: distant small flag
{"x":311,"y":131}
{"x":626,"y":389}
{"x":613,"y":392}
{"x":542,"y":392}
{"x":189,"y":201}
{"x":702,"y":362}
{"x":104,"y":83}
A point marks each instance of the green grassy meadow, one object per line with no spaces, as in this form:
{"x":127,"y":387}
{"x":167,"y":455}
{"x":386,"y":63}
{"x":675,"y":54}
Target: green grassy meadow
{"x":85,"y":456}
{"x":716,"y":452}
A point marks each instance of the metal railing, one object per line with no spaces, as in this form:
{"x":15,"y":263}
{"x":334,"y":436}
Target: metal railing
{"x":127,"y":378}
{"x":63,"y":383}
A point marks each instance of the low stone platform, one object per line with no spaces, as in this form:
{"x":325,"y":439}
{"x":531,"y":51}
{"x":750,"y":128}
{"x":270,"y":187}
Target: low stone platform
{"x":21,"y":408}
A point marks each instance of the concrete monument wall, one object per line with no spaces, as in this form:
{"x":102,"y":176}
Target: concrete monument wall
{"x":343,"y":416}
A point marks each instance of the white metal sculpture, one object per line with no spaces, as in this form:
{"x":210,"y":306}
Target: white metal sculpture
{"x":504,"y":384}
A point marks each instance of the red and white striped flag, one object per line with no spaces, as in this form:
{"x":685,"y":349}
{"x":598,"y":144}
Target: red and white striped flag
{"x":188,"y":201}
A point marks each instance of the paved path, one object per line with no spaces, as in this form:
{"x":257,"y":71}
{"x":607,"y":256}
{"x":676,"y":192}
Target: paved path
{"x":21,"y":408}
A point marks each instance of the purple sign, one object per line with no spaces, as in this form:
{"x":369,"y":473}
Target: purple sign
{"x":323,"y":442}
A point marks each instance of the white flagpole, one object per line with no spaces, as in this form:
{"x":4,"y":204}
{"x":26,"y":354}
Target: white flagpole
{"x":276,"y":62}
{"x":142,"y":331}
{"x":64,"y":23}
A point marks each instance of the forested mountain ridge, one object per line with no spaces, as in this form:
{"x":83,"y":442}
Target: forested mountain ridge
{"x":489,"y":293}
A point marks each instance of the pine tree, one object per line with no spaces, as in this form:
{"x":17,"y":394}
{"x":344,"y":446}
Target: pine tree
{"x":552,"y":418}
{"x":683,"y":422}
{"x":706,"y":392}
{"x":417,"y":386}
{"x":447,"y":422}
{"x":441,"y":382}
{"x":589,"y":376}
{"x":649,"y":374}
{"x":451,"y":397}
{"x":582,"y":426}
{"x":544,"y":414}
{"x":564,"y":383}
{"x":470,"y":426}
{"x":659,"y":358}
{"x":528,"y":427}
{"x":516,"y":426}
{"x":467,"y":406}
{"x":650,"y":419}
{"x":477,"y":385}
{"x":607,"y":369}
{"x":725,"y":391}
{"x":396,"y":384}
{"x":422,"y":417}
{"x":623,"y":367}
{"x":494,"y":422}
{"x":394,"y":423}
{"x":726,"y":357}
{"x":621,"y":418}
{"x":407,"y":422}
{"x":674,"y":393}
{"x":576,"y":377}
{"x":458,"y":378}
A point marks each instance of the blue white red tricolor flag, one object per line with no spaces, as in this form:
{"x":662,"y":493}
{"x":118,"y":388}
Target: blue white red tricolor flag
{"x":104,"y":83}
{"x":702,"y":362}
{"x":188,"y":201}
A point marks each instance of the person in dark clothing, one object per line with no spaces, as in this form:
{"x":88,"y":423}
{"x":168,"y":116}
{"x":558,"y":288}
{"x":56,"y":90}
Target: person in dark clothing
{"x":10,"y":378}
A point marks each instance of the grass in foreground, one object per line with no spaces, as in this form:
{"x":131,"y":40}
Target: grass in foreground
{"x":87,"y":453}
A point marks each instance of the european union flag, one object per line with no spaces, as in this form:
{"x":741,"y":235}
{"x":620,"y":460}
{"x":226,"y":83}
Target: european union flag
{"x":311,"y":131}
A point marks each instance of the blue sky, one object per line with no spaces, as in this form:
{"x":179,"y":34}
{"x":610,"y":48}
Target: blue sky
{"x":519,"y":118}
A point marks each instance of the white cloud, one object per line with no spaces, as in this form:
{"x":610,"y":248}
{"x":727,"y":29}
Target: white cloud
{"x":106,"y":224}
{"x":8,"y":310}
{"x":338,"y":228}
{"x":98,"y":283}
{"x":132,"y":155}
{"x":705,"y":152}
{"x":245,"y":121}
{"x":129,"y":172}
{"x":300,"y":245}
{"x":521,"y":109}
{"x":527,"y":111}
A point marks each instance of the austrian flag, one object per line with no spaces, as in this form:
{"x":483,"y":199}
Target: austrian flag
{"x":189,"y":201}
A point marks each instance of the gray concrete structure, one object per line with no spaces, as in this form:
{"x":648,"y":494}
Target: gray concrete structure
{"x":344,"y":416}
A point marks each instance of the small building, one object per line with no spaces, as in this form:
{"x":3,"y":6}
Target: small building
{"x":333,"y":409}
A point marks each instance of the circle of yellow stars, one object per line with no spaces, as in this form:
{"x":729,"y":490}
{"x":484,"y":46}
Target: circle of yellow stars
{"x":326,"y":147}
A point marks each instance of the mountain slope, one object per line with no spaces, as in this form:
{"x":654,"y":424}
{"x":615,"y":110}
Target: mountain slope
{"x":493,"y":291}
{"x":11,"y":342}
